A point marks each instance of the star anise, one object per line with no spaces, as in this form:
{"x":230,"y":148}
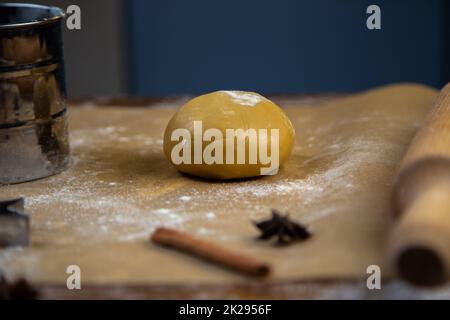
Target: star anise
{"x":18,"y":290}
{"x":283,"y":228}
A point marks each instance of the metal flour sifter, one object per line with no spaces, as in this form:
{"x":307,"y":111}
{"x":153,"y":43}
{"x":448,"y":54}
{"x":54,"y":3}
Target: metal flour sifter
{"x":33,"y":121}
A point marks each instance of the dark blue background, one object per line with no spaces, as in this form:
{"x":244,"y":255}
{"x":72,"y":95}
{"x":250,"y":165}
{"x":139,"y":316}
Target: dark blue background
{"x":285,"y":46}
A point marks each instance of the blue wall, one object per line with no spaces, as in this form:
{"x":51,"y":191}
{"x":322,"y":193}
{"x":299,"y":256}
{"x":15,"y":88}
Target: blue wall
{"x":284,"y":46}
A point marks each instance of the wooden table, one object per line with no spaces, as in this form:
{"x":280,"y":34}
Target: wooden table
{"x":342,"y":289}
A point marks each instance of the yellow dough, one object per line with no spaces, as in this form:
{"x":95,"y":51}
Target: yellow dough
{"x":228,"y":111}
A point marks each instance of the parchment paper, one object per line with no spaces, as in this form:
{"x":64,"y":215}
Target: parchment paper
{"x":99,"y":213}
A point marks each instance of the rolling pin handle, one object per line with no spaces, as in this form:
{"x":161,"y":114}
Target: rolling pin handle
{"x":421,"y":266}
{"x":420,"y":248}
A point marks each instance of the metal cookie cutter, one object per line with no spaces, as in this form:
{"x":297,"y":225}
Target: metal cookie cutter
{"x":14,"y":223}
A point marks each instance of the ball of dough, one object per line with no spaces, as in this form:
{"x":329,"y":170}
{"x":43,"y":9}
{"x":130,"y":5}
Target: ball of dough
{"x":240,"y":116}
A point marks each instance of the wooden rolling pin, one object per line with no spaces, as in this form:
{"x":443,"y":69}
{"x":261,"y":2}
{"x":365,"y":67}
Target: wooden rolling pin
{"x":420,"y":242}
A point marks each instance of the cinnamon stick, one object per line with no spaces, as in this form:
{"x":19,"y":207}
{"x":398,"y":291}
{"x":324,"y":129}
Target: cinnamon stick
{"x":210,"y":251}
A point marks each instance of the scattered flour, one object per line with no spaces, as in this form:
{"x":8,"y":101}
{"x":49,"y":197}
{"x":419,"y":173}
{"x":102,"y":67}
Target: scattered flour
{"x":102,"y":217}
{"x":203,"y":231}
{"x":210,"y":215}
{"x":125,"y":217}
{"x":281,"y":187}
{"x":83,"y":138}
{"x":245,"y":98}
